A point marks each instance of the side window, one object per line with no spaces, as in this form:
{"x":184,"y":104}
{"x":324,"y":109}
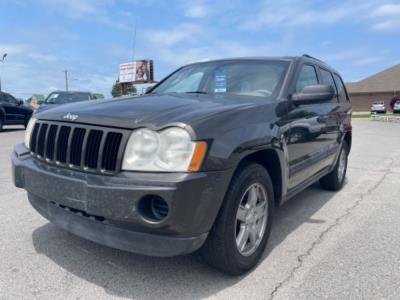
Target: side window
{"x":341,"y":89}
{"x":327,"y":78}
{"x":10,"y":99}
{"x":307,"y":76}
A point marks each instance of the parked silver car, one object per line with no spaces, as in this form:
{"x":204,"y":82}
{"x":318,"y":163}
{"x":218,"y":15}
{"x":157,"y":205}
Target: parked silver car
{"x":378,"y":107}
{"x":396,"y":107}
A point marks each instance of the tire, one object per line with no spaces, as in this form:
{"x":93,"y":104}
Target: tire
{"x":221,"y":250}
{"x":27,"y":121}
{"x":334,"y":181}
{"x":1,"y":124}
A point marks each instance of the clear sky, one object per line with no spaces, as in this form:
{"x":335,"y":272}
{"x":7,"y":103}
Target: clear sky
{"x":90,"y":38}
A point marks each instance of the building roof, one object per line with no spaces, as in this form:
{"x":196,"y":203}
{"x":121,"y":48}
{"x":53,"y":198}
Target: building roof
{"x":386,"y":81}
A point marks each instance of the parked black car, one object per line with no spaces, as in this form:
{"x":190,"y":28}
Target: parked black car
{"x":64,"y":97}
{"x":200,"y":162}
{"x":13,"y":111}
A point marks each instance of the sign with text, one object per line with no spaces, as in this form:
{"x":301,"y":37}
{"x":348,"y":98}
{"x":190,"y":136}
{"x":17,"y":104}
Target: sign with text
{"x":136,"y":71}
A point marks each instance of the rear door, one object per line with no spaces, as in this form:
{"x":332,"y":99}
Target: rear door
{"x":344,"y":111}
{"x":312,"y":140}
{"x":14,"y":113}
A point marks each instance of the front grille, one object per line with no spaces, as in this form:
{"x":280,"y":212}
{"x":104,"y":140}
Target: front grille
{"x":78,"y":146}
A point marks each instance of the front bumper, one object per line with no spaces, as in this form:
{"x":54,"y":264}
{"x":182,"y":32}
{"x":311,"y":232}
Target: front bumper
{"x":378,"y":110}
{"x":103,"y":208}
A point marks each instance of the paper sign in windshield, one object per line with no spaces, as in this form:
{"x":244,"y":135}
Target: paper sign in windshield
{"x":220,"y":81}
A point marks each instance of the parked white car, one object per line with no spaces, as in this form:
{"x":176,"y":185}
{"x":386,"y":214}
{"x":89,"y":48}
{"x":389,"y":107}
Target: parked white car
{"x":378,"y":107}
{"x":396,"y":107}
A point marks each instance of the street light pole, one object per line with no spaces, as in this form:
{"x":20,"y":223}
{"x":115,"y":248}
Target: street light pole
{"x":66,"y":80}
{"x":2,"y":59}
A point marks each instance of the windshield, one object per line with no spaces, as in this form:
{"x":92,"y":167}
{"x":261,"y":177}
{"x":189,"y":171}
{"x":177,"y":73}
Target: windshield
{"x":247,"y":78}
{"x":61,"y":98}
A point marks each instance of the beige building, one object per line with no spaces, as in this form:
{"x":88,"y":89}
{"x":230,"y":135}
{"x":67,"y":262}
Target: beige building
{"x":382,"y":86}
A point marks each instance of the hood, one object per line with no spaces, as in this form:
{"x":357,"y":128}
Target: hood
{"x":154,"y":111}
{"x":43,"y":107}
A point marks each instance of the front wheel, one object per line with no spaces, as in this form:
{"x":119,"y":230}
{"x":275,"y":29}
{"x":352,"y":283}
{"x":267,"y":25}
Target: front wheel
{"x":1,"y":124}
{"x":26,"y":122}
{"x":240,"y":233}
{"x":334,"y":181}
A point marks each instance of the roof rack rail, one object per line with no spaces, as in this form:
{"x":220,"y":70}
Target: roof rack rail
{"x":312,"y":57}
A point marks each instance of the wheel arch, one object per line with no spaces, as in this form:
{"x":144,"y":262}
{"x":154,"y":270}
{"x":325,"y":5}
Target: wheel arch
{"x":271,"y":160}
{"x":348,"y":139}
{"x":2,"y":113}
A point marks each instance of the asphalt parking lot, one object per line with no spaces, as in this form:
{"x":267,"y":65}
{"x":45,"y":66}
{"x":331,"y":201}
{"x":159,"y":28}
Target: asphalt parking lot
{"x":324,"y":245}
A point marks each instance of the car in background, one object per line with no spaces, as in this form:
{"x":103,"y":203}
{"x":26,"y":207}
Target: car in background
{"x":98,"y":96}
{"x":35,"y":101}
{"x":396,"y":107}
{"x":13,"y":111}
{"x":63,"y":97}
{"x":378,"y":107}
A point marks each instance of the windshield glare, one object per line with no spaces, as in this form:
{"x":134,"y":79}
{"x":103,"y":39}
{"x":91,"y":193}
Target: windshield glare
{"x":61,"y":98}
{"x":245,"y":78}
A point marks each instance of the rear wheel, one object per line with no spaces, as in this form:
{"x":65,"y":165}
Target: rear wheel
{"x":1,"y":124}
{"x":239,"y":235}
{"x":334,"y":181}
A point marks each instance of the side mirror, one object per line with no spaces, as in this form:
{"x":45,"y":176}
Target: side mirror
{"x":314,"y":93}
{"x":148,"y":89}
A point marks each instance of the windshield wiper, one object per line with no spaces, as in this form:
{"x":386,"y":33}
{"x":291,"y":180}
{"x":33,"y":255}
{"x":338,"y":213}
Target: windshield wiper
{"x":196,"y":92}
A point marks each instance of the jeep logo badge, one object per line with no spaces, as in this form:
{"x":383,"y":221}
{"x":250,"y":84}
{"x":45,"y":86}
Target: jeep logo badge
{"x":70,"y":117}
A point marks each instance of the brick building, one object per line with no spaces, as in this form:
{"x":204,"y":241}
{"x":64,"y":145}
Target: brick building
{"x":382,"y":86}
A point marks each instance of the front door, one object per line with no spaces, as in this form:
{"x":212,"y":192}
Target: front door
{"x":313,"y":135}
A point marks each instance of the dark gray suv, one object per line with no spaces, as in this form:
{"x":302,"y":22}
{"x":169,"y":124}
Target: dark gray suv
{"x":198,"y":163}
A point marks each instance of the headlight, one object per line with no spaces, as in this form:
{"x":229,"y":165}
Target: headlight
{"x":170,"y":150}
{"x":28,"y":132}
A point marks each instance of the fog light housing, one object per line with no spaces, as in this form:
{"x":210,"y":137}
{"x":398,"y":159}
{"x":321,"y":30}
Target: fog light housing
{"x":153,"y":208}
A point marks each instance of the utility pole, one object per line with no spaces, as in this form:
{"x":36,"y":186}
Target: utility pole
{"x":66,"y":80}
{"x":2,"y":59}
{"x":134,"y":40}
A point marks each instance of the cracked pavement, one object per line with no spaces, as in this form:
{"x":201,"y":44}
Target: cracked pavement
{"x":329,"y":245}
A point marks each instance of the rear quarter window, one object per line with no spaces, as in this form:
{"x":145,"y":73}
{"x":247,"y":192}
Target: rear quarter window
{"x":342,"y":94}
{"x":327,"y":78}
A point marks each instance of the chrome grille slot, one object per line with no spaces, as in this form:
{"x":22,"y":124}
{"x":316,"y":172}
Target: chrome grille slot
{"x":35,"y":132}
{"x":76,"y":146}
{"x":62,"y":144}
{"x":92,"y":149}
{"x":41,"y":139}
{"x":51,"y":142}
{"x":110,"y":152}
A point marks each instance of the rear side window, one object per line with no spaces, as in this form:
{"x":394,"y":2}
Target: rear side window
{"x":327,"y":78}
{"x":341,"y":89}
{"x":307,"y":76}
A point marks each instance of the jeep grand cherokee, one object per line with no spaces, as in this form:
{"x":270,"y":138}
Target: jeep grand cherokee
{"x":200,"y":162}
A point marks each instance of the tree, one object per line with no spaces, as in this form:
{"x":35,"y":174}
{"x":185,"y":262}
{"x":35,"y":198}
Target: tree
{"x":117,"y":89}
{"x":120,"y":89}
{"x":130,"y":90}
